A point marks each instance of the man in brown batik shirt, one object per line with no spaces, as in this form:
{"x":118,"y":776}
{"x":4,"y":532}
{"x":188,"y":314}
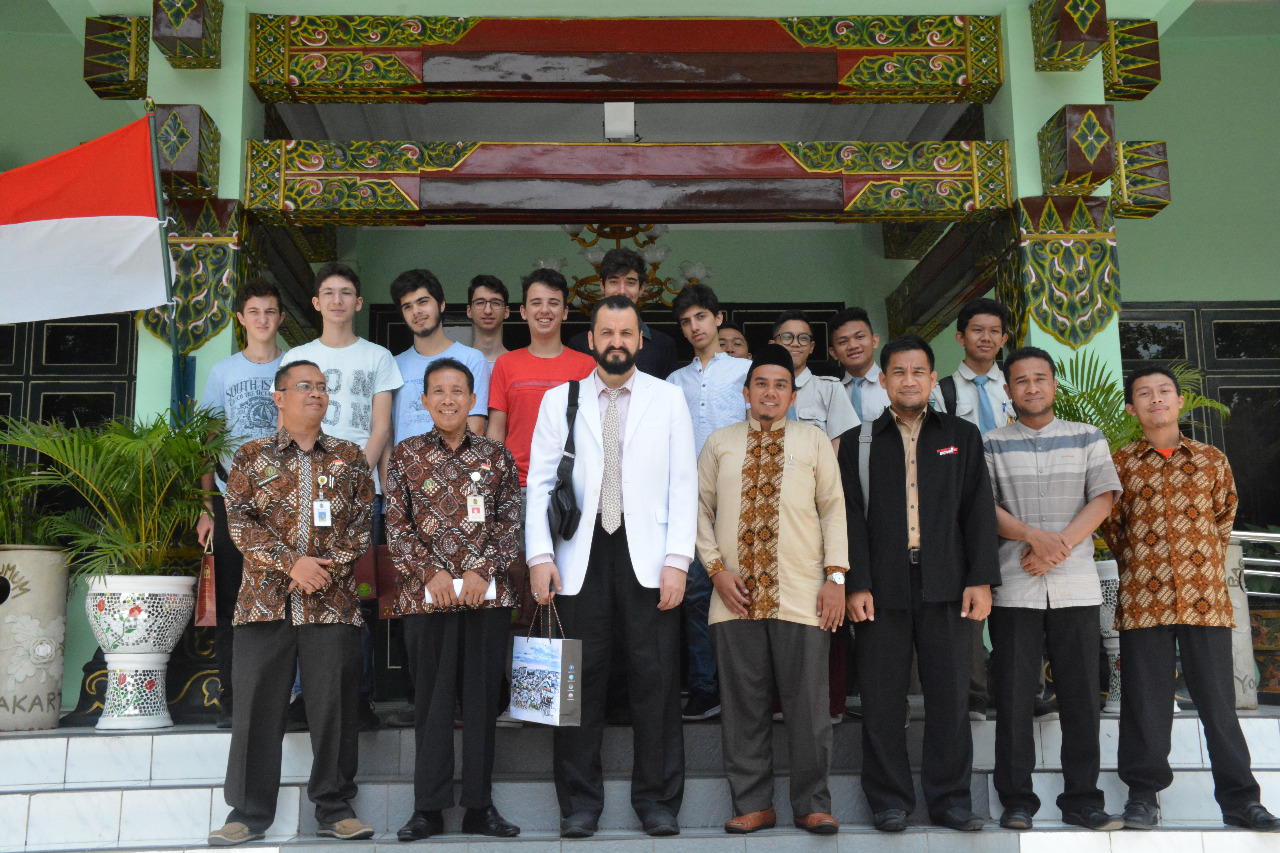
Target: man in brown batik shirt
{"x":453,"y":511}
{"x":299,"y":506}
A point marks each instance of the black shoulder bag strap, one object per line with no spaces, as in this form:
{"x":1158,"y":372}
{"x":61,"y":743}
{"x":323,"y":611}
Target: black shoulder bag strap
{"x":565,"y":471}
{"x":948,"y":387}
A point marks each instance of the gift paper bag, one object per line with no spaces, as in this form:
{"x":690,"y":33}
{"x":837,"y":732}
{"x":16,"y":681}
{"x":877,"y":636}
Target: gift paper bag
{"x":206,"y":596}
{"x":546,"y":675}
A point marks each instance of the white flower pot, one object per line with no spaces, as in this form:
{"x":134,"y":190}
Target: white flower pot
{"x":138,"y":620}
{"x":33,"y":629}
{"x":1109,"y":577}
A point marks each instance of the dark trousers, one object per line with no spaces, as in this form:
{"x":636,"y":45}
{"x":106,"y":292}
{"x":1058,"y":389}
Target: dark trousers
{"x":266,"y":653}
{"x":456,"y":655}
{"x":760,"y":657}
{"x":1018,"y":636}
{"x":228,"y":571}
{"x":943,"y":643}
{"x":610,"y":596}
{"x":1147,"y":675}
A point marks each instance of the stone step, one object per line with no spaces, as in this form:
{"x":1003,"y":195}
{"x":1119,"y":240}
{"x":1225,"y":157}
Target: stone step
{"x":183,"y":815}
{"x":196,"y":755}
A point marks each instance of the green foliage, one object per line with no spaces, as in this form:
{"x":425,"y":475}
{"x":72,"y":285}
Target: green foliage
{"x":138,"y":484}
{"x":1087,"y":392}
{"x":22,"y":520}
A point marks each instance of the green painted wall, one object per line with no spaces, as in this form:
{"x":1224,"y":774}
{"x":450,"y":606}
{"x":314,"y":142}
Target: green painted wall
{"x":1217,"y":108}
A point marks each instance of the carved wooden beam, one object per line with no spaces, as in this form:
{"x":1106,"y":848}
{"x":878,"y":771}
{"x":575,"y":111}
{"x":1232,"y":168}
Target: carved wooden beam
{"x":187,"y":140}
{"x":1066,"y":34}
{"x":1131,"y":59}
{"x":911,"y":240}
{"x":1140,"y":189}
{"x":317,"y":182}
{"x":188,"y":32}
{"x":1077,"y":149}
{"x":115,"y":56}
{"x":369,"y":58}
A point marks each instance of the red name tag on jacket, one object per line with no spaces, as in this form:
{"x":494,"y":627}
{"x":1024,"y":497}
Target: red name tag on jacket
{"x":947,"y":451}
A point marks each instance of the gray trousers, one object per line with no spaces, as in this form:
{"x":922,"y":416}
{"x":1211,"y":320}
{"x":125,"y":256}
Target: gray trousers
{"x":757,"y":658}
{"x":266,"y":654}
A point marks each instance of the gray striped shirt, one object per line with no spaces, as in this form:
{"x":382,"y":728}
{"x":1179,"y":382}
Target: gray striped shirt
{"x":1044,"y":478}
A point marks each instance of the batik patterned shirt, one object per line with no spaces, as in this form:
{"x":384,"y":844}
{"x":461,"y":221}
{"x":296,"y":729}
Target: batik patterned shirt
{"x":1169,"y":534}
{"x":771,"y":508}
{"x":270,"y":493}
{"x":428,"y":484}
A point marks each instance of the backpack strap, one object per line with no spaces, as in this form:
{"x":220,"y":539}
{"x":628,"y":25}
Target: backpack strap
{"x":864,"y":466}
{"x":948,"y":387}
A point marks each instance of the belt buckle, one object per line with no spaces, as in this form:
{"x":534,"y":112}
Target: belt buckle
{"x":913,"y":556}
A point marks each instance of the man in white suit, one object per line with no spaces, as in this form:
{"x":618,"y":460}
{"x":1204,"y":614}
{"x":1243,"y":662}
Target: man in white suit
{"x":635,"y":480}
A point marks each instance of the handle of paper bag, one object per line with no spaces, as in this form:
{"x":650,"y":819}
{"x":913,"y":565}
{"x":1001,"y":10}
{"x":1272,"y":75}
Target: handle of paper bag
{"x":551,"y":610}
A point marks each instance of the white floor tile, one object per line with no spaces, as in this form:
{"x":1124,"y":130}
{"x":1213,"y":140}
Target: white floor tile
{"x":984,"y":745}
{"x":1190,"y":797}
{"x":13,"y":817}
{"x":1263,"y":736}
{"x":1066,"y":841}
{"x":295,"y":757}
{"x":109,"y":760}
{"x":1186,"y":745}
{"x":69,"y":820}
{"x":32,"y":762}
{"x":1163,"y":842}
{"x":1109,"y":743}
{"x":165,"y":816}
{"x":1050,"y":744}
{"x":190,"y":757}
{"x":288,"y":807}
{"x":1240,"y":841}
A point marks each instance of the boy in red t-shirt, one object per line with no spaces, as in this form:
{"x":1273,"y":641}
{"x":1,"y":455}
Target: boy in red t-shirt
{"x":522,"y":376}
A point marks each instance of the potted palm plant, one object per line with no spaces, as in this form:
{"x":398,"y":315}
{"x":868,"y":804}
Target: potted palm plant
{"x":137,"y":489}
{"x":1087,"y":392}
{"x":33,"y":605}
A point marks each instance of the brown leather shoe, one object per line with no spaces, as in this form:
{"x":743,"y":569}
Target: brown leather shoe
{"x":819,"y":824}
{"x":751,"y":822}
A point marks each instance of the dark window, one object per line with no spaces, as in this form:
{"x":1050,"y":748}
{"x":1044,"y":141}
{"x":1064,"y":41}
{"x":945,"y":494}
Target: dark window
{"x":79,"y":344}
{"x":8,"y":345}
{"x":1246,"y":339}
{"x":85,"y":408}
{"x":1251,"y":439}
{"x":1145,"y":340}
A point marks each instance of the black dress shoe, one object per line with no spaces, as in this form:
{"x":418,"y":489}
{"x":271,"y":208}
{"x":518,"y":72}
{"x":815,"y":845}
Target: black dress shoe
{"x":1016,"y":817}
{"x":890,"y":820}
{"x":660,"y":824}
{"x":1140,"y":815}
{"x":578,"y":826}
{"x":1253,"y":816}
{"x":422,"y":825}
{"x":487,"y":821}
{"x":1092,"y":817}
{"x":961,"y":820}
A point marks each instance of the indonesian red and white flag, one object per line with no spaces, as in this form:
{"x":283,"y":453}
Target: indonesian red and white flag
{"x":79,"y":232}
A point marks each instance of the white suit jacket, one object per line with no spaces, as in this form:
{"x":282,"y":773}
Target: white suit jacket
{"x":659,"y":478}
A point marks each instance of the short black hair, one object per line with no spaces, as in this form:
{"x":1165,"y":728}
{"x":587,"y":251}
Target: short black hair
{"x":410,"y":280}
{"x":974,"y":307}
{"x":490,"y":281}
{"x":260,"y":288}
{"x":852,"y":314}
{"x":448,"y":364}
{"x":623,"y":261}
{"x":284,"y":369}
{"x":789,"y":315}
{"x":1149,"y":370}
{"x":726,"y":326}
{"x":695,"y":296}
{"x":332,"y":268}
{"x":545,"y":276}
{"x":617,"y":302}
{"x":1025,"y":353}
{"x":905,"y":343}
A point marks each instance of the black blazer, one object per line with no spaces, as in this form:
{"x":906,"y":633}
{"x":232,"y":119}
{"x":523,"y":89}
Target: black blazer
{"x":957,"y":511}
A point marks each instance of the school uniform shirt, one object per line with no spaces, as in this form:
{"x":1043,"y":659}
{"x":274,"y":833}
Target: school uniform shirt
{"x":1044,"y":478}
{"x":270,"y":493}
{"x":714,"y":393}
{"x":967,"y":396}
{"x":874,"y":398}
{"x":823,"y":402}
{"x":1169,"y":533}
{"x":428,"y":523}
{"x":770,"y":508}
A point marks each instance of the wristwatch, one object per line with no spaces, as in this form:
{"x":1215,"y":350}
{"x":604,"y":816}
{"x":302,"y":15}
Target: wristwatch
{"x":836,"y":577}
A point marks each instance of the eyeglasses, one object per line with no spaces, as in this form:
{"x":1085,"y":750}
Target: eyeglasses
{"x":495,"y":304}
{"x":785,"y":338}
{"x":306,"y":388}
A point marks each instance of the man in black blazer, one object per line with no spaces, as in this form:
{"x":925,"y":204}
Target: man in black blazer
{"x":922,"y":563}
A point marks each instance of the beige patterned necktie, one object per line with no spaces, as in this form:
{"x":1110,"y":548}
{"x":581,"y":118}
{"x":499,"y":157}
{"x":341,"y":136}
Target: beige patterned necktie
{"x":611,"y":486}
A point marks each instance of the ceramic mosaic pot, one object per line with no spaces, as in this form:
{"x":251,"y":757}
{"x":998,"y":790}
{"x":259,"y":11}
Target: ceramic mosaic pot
{"x":1109,"y":578}
{"x":33,"y":628}
{"x":137,"y":621}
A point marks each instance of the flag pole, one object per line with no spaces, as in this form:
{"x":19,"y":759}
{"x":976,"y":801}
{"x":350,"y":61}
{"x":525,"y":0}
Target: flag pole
{"x":178,"y":366}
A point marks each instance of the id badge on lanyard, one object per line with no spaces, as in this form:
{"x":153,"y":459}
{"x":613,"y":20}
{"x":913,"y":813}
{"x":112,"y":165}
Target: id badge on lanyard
{"x":475,"y":501}
{"x":321,"y":512}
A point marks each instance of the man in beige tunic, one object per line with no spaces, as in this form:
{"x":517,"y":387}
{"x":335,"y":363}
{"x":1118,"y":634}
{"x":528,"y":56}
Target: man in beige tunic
{"x":772,"y":534}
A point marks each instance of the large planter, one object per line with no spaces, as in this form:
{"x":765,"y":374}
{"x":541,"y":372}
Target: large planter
{"x":137,"y":621}
{"x":33,"y":630}
{"x":1109,"y":578}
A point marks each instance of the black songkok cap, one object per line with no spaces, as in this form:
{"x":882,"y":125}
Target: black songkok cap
{"x":772,"y":353}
